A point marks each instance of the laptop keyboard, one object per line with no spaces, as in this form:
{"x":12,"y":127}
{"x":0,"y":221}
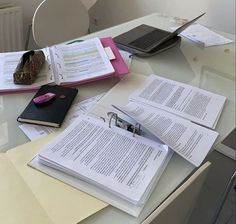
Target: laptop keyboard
{"x":149,"y":39}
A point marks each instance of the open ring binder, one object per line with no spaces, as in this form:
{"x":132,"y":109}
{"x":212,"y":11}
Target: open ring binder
{"x":123,"y":170}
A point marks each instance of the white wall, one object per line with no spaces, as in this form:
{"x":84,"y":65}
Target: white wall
{"x":28,"y":7}
{"x":220,"y":14}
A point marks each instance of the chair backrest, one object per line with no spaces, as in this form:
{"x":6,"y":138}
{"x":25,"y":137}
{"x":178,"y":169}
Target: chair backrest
{"x":88,"y":3}
{"x":56,"y":21}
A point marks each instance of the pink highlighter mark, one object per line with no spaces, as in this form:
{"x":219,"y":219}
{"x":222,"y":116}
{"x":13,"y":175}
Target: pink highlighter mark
{"x":44,"y":98}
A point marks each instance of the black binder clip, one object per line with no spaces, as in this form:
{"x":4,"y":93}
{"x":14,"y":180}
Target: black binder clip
{"x":121,"y":123}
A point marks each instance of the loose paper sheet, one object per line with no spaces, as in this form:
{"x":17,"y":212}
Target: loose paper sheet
{"x":126,"y":57}
{"x":204,"y":36}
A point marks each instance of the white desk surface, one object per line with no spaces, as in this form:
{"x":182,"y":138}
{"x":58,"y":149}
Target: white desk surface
{"x":211,"y":68}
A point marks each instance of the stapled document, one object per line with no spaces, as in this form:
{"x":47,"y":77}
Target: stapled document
{"x":192,"y":103}
{"x":204,"y":36}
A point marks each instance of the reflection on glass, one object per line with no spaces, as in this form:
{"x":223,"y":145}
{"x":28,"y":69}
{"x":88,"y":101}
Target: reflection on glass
{"x":218,"y":82}
{"x":3,"y":135}
{"x":172,"y":64}
{"x":224,"y":84}
{"x":1,"y":103}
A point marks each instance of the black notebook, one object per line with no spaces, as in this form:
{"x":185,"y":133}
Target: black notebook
{"x":53,"y":112}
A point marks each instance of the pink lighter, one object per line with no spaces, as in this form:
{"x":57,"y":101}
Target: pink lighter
{"x":44,"y":98}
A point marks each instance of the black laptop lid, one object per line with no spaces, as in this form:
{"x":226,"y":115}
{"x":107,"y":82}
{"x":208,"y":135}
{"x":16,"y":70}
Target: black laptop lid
{"x":182,"y":28}
{"x":146,"y":38}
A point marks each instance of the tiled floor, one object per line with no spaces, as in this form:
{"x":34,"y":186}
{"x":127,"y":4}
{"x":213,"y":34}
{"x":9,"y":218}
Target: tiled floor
{"x":220,"y":173}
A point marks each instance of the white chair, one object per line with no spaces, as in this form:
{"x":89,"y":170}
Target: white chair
{"x":56,"y":21}
{"x":88,"y":3}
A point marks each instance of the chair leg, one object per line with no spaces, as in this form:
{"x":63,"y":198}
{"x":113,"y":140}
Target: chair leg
{"x":28,"y":37}
{"x":224,"y":197}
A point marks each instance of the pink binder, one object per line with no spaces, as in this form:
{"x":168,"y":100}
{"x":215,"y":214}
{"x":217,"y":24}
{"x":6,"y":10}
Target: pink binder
{"x":118,"y":64}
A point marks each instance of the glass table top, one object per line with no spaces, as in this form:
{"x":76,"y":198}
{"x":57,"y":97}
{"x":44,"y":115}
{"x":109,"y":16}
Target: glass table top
{"x":211,"y":68}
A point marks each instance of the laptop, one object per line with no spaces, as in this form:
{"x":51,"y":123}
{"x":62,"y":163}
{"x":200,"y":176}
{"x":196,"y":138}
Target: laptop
{"x":147,"y":40}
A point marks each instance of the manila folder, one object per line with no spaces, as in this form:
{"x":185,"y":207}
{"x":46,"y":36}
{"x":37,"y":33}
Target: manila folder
{"x":63,"y":203}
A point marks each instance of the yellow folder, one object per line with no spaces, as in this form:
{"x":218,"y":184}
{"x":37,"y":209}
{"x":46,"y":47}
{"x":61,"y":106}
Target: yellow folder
{"x":18,"y":204}
{"x":61,"y":202}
